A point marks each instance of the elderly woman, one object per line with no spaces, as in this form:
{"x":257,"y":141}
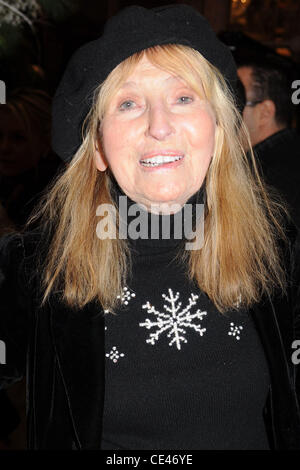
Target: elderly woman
{"x":151,"y":342}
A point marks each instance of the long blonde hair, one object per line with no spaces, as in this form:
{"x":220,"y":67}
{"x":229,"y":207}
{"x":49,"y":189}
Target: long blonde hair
{"x":240,"y":255}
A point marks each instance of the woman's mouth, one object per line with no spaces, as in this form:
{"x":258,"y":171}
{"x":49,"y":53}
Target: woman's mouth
{"x":162,"y":161}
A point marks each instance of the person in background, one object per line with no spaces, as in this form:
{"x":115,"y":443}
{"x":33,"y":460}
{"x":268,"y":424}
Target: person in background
{"x":27,"y":163}
{"x":268,"y":116}
{"x":6,"y":225}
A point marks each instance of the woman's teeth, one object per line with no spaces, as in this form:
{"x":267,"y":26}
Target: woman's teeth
{"x":160,"y":160}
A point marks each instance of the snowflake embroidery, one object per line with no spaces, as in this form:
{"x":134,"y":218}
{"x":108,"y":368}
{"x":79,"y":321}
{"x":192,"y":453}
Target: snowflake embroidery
{"x":174,"y":320}
{"x":125,"y":296}
{"x":235,"y":331}
{"x":114,"y":354}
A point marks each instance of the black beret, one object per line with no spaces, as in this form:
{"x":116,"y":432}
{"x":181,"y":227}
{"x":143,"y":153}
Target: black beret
{"x":133,"y":29}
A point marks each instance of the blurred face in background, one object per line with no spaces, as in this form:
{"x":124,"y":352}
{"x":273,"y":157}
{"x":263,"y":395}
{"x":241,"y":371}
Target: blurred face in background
{"x":251,"y":114}
{"x":20,"y":150}
{"x":158,"y":137}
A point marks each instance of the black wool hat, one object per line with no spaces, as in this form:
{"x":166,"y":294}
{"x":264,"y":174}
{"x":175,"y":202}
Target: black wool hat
{"x":133,"y":29}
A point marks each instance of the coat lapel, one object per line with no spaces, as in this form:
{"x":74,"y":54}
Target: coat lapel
{"x":78,"y":337}
{"x":275,"y":337}
{"x":275,"y":331}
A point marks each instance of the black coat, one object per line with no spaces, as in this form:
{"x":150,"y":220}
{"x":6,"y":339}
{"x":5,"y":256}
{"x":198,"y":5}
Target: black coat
{"x":62,"y":352}
{"x":279,"y":159}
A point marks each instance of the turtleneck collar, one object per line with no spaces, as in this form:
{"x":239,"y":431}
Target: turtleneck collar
{"x":154,"y":237}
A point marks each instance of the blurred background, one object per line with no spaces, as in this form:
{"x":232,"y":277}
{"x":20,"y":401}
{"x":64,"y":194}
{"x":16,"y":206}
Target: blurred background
{"x":37,"y":38}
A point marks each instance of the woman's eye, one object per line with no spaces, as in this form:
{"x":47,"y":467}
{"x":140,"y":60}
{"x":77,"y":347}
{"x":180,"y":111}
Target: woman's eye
{"x":185,"y":99}
{"x":128,"y":104}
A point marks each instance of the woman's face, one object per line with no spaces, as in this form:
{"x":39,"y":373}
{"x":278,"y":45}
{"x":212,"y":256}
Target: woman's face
{"x":158,"y":138}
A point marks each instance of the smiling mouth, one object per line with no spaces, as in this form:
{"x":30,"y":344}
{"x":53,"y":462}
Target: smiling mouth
{"x":160,"y":160}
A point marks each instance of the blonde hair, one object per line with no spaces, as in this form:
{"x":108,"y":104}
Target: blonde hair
{"x":240,"y":255}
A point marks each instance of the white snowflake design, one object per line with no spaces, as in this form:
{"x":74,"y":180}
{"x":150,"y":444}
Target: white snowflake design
{"x":126,"y":295}
{"x":235,"y":331}
{"x":114,"y":355}
{"x":174,"y":320}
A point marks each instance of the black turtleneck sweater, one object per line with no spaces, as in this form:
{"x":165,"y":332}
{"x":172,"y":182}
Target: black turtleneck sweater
{"x":179,"y":374}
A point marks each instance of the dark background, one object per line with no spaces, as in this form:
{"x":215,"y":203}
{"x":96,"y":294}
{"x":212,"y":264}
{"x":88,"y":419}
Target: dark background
{"x":37,"y":55}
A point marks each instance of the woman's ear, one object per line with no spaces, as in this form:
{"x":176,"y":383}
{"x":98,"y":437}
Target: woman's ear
{"x":100,"y":161}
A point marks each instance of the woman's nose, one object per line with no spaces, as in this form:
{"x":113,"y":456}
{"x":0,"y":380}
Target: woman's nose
{"x":159,"y":123}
